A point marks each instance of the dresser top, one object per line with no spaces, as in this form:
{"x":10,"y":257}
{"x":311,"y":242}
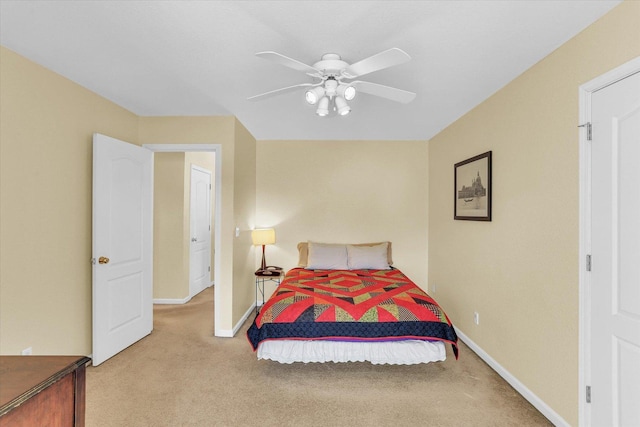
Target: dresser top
{"x":21,"y":377}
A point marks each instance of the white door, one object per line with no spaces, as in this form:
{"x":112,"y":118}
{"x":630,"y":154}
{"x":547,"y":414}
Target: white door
{"x":200,"y":247}
{"x":122,"y":245}
{"x":615,"y":283}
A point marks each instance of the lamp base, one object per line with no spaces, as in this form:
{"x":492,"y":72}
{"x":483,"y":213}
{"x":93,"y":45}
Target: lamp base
{"x":263,"y":266}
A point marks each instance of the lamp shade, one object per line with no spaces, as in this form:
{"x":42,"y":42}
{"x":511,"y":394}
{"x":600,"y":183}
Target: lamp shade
{"x":263,"y":236}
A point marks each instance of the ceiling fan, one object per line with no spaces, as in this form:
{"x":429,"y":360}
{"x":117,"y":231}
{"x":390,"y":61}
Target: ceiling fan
{"x":332,"y":90}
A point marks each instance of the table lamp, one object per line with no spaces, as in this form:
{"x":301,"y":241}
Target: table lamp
{"x":263,"y":236}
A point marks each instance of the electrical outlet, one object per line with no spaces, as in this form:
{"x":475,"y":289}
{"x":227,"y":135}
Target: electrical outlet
{"x":476,"y":318}
{"x":237,"y":231}
{"x":27,"y":351}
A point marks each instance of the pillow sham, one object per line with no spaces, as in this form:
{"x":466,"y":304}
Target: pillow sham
{"x":326,"y":256}
{"x":368,"y":257}
{"x":303,"y":252}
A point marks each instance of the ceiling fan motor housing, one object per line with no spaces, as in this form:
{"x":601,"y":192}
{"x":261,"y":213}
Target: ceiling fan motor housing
{"x":331,"y":65}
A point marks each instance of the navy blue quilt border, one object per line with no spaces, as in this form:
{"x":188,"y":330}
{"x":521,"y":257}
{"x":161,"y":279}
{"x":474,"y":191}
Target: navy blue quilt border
{"x":319,"y":330}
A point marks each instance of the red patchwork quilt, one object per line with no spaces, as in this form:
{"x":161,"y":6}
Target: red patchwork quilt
{"x":353,"y":305}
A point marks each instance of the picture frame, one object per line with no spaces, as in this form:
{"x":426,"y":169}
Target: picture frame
{"x":472,"y":188}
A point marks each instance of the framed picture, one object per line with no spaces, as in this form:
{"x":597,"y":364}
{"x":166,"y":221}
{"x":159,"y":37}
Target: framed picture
{"x":472,"y":183}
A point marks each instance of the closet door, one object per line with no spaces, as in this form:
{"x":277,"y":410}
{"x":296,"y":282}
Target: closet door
{"x":615,"y":290}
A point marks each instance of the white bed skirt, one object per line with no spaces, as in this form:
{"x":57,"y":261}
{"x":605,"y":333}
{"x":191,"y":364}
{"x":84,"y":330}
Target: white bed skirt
{"x":408,"y":352}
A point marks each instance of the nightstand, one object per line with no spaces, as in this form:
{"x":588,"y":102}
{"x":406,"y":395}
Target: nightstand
{"x":263,"y":277}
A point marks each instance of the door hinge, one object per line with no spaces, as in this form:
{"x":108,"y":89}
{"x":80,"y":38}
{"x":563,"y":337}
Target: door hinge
{"x":588,"y":126}
{"x":589,"y":262}
{"x":588,"y":394}
{"x":209,"y":268}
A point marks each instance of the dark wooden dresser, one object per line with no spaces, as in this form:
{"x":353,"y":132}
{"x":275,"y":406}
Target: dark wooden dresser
{"x":42,"y":390}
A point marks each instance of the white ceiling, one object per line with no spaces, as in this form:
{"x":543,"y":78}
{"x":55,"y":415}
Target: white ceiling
{"x":175,"y":58}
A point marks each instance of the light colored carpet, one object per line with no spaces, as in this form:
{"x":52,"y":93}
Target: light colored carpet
{"x":181,"y":375}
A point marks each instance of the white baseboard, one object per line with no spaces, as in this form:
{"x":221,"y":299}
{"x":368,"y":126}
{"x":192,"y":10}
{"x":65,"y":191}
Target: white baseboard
{"x":538,"y":403}
{"x":171,"y":300}
{"x":178,"y":300}
{"x":232,"y":333}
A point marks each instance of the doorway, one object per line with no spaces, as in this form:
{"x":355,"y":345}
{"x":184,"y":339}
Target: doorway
{"x":609,"y":355}
{"x":216,"y":149}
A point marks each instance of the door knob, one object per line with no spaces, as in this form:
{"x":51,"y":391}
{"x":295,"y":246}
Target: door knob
{"x":103,"y":260}
{"x":194,"y":239}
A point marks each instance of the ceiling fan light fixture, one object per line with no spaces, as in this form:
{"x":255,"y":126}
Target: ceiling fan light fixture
{"x":313,"y":95}
{"x":342,"y":106}
{"x":348,"y":92}
{"x":330,"y":86}
{"x":329,"y":94}
{"x":323,"y":107}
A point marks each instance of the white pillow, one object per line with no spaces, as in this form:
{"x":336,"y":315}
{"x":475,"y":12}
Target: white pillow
{"x":368,"y":257}
{"x":324,"y":256}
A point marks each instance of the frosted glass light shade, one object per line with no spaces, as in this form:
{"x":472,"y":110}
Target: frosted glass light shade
{"x":313,"y":95}
{"x":346,"y":91}
{"x":341,"y":105}
{"x":323,"y":107}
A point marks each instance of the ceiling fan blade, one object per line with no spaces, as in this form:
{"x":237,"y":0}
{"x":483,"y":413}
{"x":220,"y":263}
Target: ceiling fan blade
{"x":288,"y":62}
{"x":279,"y":91}
{"x":388,"y":92}
{"x":382,"y":60}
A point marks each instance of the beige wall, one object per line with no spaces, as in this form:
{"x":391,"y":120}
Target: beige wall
{"x":170,"y":227}
{"x":520,"y":271}
{"x":46,"y":127}
{"x":244,"y":205}
{"x":345,"y":191}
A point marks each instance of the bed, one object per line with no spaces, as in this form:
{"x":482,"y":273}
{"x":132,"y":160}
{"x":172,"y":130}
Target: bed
{"x":346,"y":303}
